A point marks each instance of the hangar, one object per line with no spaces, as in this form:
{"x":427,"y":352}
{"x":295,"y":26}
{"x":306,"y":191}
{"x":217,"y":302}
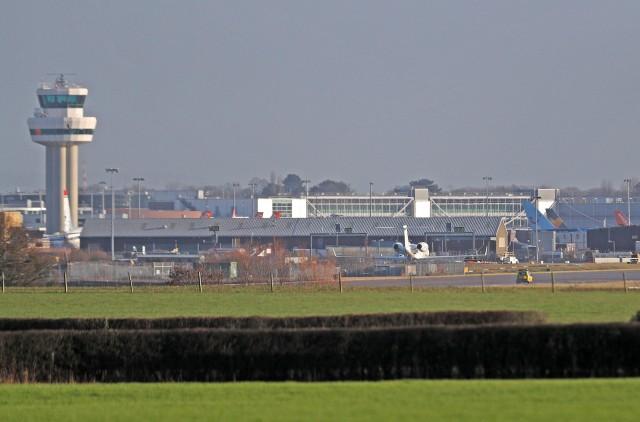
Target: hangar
{"x":445,"y":235}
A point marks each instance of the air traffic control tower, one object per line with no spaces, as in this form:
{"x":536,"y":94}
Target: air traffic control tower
{"x":61,"y":126}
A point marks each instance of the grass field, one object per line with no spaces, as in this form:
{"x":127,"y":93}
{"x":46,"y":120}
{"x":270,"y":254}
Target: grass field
{"x":564,"y":306}
{"x":566,"y":400}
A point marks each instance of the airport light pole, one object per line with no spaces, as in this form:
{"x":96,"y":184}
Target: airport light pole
{"x":253,"y":199}
{"x":139,"y":180}
{"x":628,"y":182}
{"x":111,"y":171}
{"x":537,"y":197}
{"x":370,"y":198}
{"x":306,"y":196}
{"x":104,"y":188}
{"x":234,"y":185}
{"x":306,"y":187}
{"x":486,"y":179}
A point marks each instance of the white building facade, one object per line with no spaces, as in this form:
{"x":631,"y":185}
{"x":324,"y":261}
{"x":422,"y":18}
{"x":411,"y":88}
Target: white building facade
{"x":420,"y":205}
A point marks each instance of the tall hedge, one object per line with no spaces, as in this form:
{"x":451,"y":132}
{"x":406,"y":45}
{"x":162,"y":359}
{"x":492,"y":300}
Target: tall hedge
{"x":492,"y":351}
{"x":340,"y":321}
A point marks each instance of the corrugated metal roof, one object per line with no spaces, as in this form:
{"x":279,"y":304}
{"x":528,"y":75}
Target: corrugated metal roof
{"x":287,"y":227}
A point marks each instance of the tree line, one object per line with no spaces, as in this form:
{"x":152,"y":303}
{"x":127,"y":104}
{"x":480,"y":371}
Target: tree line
{"x":294,"y":185}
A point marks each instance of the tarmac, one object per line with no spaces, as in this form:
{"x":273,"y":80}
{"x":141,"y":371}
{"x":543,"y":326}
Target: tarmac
{"x":584,"y":277}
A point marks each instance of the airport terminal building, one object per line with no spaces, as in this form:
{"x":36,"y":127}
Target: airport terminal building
{"x":419,"y":205}
{"x":444,"y":235}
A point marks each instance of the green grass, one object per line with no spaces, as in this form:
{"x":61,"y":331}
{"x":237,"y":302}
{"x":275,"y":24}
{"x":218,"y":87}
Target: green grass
{"x":522,"y":400}
{"x":564,"y":306}
{"x":566,"y":400}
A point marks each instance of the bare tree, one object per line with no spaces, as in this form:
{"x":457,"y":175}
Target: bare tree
{"x":19,"y":260}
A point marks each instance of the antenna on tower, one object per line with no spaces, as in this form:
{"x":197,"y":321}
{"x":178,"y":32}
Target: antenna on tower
{"x":61,"y":82}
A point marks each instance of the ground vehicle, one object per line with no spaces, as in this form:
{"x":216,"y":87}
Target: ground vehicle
{"x":524,"y":276}
{"x":509,"y":260}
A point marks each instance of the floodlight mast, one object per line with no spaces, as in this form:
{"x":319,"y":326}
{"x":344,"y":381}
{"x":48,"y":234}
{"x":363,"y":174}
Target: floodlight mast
{"x":111,"y":171}
{"x":139,"y":180}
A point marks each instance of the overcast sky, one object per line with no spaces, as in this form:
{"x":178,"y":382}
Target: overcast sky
{"x":195,"y":92}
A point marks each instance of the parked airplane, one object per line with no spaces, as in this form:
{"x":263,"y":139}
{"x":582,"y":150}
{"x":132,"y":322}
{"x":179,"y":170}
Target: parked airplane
{"x":408,"y":251}
{"x":419,"y":251}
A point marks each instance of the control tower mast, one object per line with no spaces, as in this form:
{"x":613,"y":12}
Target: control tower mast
{"x":60,"y":125}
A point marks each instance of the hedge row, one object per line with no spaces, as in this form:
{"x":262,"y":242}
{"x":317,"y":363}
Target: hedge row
{"x":263,"y":323}
{"x":498,"y":351}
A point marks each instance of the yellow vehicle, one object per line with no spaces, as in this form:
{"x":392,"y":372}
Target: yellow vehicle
{"x":524,"y":276}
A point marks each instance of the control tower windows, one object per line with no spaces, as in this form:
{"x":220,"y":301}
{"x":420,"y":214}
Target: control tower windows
{"x":61,"y":101}
{"x":61,"y":131}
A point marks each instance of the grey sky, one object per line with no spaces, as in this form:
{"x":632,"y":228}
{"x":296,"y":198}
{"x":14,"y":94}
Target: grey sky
{"x":388,"y":91}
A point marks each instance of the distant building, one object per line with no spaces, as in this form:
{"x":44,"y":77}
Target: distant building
{"x":420,"y":205}
{"x":444,"y":235}
{"x":614,"y":239}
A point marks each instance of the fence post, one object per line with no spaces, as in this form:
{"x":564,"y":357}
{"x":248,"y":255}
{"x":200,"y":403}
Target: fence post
{"x":66,"y":286}
{"x":482,"y":280}
{"x":200,"y":281}
{"x":271,"y":281}
{"x":624,"y":282}
{"x":340,"y":280}
{"x":3,"y":282}
{"x":553,"y":283}
{"x":411,"y":282}
{"x":130,"y":282}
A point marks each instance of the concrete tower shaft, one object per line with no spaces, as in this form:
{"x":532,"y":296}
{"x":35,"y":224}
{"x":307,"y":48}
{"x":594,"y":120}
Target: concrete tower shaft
{"x":61,"y":126}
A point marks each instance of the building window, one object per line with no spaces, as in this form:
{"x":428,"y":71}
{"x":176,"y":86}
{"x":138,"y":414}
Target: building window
{"x":357,"y":206}
{"x":282,"y":208}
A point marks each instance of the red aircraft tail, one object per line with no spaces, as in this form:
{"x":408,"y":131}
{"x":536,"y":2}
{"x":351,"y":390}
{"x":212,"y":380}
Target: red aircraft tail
{"x":621,"y":219}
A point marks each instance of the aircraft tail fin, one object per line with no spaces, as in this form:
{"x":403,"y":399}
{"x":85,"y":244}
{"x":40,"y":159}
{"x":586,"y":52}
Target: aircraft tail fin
{"x":621,"y":219}
{"x":555,"y":219}
{"x":68,"y":226}
{"x":533,"y":214}
{"x":407,"y":245}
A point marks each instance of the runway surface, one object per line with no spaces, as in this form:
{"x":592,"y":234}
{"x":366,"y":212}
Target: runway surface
{"x":503,"y":279}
